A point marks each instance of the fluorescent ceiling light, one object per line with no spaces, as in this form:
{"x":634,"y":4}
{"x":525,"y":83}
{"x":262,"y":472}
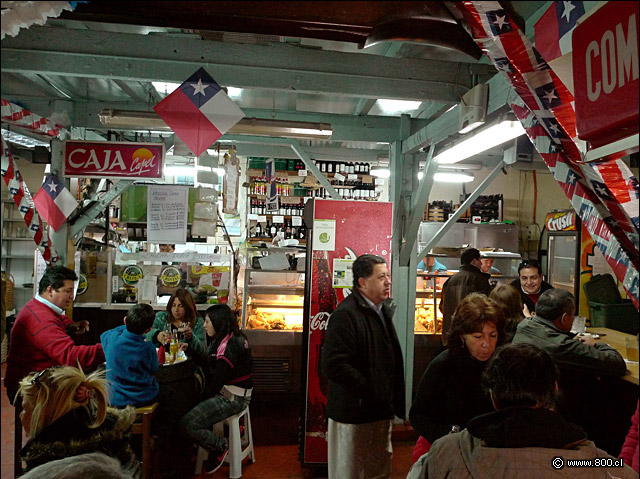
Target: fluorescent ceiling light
{"x":131,"y":120}
{"x":452,"y":177}
{"x":398,"y":106}
{"x":481,"y":141}
{"x":380,"y":172}
{"x":22,"y":140}
{"x":471,"y":126}
{"x":165,"y":88}
{"x":234,"y":92}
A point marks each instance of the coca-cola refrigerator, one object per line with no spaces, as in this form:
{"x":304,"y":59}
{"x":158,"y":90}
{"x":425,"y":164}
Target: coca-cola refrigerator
{"x":339,"y":232}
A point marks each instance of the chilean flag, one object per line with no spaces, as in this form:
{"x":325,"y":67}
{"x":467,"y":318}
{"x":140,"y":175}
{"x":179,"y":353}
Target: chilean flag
{"x":553,"y":30}
{"x":53,"y":202}
{"x":199,"y":111}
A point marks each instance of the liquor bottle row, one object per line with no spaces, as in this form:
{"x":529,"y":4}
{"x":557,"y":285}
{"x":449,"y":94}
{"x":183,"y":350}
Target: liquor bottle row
{"x":270,"y":230}
{"x":260,"y":185}
{"x":358,"y":192}
{"x":360,"y":168}
{"x":259,"y":207}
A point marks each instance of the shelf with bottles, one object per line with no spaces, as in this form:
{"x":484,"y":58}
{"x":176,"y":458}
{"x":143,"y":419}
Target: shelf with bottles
{"x":277,"y":224}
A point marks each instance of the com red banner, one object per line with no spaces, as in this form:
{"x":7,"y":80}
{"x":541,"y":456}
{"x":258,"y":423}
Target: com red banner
{"x":605,"y":73}
{"x":113,"y":159}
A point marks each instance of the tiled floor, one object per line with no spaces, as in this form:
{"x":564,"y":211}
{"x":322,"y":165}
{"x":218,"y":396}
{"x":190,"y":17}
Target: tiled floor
{"x":272,"y":462}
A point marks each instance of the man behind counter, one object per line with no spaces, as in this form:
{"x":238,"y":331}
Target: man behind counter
{"x":530,"y":285}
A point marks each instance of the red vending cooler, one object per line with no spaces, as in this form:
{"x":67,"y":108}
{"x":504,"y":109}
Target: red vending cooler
{"x":338,"y":232}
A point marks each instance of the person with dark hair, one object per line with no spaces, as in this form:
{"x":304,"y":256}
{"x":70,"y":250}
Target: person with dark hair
{"x":228,"y":367}
{"x":584,"y":364}
{"x":524,"y":437}
{"x":132,"y":362}
{"x":41,"y":334}
{"x":363,"y":363}
{"x":449,"y":393}
{"x":181,"y":316}
{"x":508,"y":299}
{"x":530,"y":284}
{"x":469,"y":279}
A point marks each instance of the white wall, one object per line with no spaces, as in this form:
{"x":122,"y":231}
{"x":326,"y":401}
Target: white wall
{"x":517,"y":187}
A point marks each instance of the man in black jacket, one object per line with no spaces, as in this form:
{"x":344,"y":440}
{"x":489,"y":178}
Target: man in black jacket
{"x":362,"y":360}
{"x":469,"y":279}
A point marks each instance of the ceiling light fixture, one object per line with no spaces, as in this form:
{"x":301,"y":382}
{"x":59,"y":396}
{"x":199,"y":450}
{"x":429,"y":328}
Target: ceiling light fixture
{"x":453,"y":177}
{"x":129,"y":120}
{"x":234,"y":92}
{"x":398,"y":106}
{"x":481,"y":141}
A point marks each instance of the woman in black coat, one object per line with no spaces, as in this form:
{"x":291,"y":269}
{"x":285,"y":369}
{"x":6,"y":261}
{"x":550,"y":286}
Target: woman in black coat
{"x":450,"y":394}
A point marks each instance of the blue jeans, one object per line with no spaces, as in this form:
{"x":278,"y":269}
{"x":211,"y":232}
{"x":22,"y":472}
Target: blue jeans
{"x":198,"y":423}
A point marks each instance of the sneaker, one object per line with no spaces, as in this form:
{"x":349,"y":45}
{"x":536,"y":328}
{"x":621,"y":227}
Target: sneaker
{"x":215,"y":460}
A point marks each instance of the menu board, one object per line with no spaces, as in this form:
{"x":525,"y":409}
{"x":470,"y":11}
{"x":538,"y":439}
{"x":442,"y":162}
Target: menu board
{"x":167,"y":208}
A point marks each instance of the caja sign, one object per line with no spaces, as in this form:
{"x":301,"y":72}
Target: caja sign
{"x":113,"y":159}
{"x":606,"y":73}
{"x":561,"y":221}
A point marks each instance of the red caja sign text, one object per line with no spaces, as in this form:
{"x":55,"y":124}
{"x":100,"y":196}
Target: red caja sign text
{"x":113,"y":159}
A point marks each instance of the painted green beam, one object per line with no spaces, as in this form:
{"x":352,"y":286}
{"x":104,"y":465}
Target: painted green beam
{"x":418,"y":204}
{"x":94,"y":54}
{"x":98,"y":208}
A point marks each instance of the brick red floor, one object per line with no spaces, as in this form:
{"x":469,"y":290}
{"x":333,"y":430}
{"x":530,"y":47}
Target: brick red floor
{"x":272,"y":462}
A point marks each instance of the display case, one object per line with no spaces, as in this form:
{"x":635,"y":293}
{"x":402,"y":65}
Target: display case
{"x":428,"y":318}
{"x":273,"y":289}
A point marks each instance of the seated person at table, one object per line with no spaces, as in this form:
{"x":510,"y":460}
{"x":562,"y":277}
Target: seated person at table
{"x":524,"y":436}
{"x":228,"y":366}
{"x":449,"y":393}
{"x":66,"y":414}
{"x":435,"y":266}
{"x":132,"y":361}
{"x":180,"y":317}
{"x":508,"y":299}
{"x":530,"y":285}
{"x":586,"y":367}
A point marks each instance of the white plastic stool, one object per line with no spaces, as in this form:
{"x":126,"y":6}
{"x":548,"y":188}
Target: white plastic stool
{"x":240,"y":445}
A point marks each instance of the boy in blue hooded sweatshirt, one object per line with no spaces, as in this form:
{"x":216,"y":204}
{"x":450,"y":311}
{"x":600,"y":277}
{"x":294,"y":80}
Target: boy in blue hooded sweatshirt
{"x":132,"y":362}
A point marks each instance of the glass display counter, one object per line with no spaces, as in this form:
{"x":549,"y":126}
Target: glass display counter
{"x":273,"y":289}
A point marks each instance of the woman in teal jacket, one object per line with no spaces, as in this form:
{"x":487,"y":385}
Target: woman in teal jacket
{"x":180,"y":309}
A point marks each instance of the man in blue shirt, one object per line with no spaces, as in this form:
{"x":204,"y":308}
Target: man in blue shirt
{"x":434,"y":265}
{"x":131,"y":361}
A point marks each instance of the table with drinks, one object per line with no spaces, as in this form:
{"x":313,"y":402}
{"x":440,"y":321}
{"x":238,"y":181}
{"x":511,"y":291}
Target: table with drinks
{"x":626,"y":345}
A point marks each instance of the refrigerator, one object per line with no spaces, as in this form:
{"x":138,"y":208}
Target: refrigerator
{"x":564,"y":250}
{"x":338,"y":232}
{"x":572,"y":257}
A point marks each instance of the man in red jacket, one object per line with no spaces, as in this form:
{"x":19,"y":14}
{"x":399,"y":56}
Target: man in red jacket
{"x":40,"y":337}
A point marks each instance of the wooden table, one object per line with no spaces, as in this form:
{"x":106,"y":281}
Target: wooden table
{"x":616,"y":339}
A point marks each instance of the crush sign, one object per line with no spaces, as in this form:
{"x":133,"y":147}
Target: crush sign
{"x":113,"y":159}
{"x":605,"y":73}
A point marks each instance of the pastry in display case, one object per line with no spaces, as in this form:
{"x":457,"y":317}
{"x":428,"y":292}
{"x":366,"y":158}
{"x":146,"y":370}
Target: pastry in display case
{"x":273,"y":289}
{"x":428,"y":317}
{"x":282,"y":317}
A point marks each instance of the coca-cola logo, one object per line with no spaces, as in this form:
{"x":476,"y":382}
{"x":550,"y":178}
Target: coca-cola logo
{"x":320,"y":321}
